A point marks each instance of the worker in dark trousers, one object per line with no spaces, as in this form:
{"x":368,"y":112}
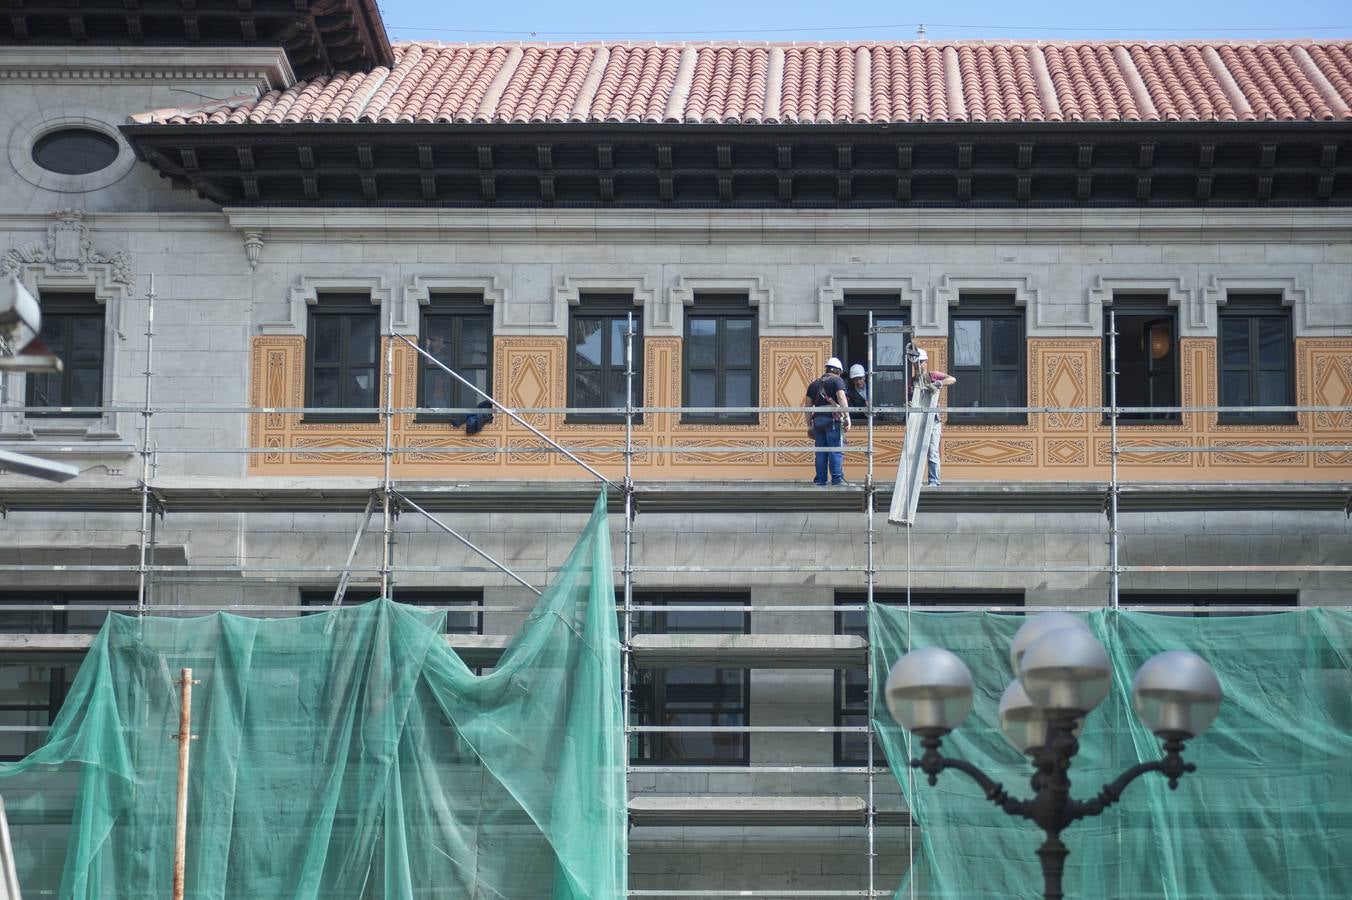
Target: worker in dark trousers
{"x":828,"y":421}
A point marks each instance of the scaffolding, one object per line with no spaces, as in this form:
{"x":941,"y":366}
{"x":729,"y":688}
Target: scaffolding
{"x":154,"y":497}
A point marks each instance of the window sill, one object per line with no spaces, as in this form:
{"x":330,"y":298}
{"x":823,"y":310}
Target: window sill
{"x":960,"y":419}
{"x":446,"y":418}
{"x":598,"y":419}
{"x":733,"y":419}
{"x":1259,"y":419}
{"x":1139,"y":422}
{"x":339,"y":419}
{"x":58,"y":414}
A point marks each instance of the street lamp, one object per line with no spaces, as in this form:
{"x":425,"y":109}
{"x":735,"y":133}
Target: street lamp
{"x":1061,"y":673}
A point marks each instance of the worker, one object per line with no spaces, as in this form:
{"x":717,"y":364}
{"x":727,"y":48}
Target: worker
{"x":932,"y":381}
{"x":826,"y":426}
{"x":857,"y":392}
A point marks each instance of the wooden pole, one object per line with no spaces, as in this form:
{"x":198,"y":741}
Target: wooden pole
{"x":181,"y":818}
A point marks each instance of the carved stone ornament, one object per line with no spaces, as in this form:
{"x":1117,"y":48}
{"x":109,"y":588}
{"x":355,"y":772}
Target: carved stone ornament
{"x":253,"y":247}
{"x":69,"y":251}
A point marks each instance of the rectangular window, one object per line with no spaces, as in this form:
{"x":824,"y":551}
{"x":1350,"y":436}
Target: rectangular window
{"x":470,"y":621}
{"x":31,"y":694}
{"x":72,"y":328}
{"x":457,"y":330}
{"x":1201,"y":603}
{"x":1256,"y":359}
{"x":986,"y":356}
{"x":852,"y":684}
{"x":342,"y":353}
{"x":1147,"y":357}
{"x":721,"y":357}
{"x":889,"y":347}
{"x":597,"y":344}
{"x":691,"y":695}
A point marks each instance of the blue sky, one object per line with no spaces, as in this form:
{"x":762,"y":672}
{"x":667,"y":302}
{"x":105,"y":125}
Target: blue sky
{"x":559,"y":20}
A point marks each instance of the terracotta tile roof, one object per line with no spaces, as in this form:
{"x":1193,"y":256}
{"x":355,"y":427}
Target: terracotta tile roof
{"x":838,"y":83}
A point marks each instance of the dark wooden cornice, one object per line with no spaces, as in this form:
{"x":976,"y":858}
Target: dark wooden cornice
{"x":647,"y":166}
{"x":319,"y":36}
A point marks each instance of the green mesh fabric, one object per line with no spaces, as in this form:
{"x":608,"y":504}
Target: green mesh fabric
{"x":350,"y":754}
{"x":1265,"y":815}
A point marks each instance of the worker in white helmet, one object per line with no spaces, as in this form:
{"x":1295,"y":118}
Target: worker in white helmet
{"x":857,"y":393}
{"x":827,"y":424}
{"x":932,"y":381}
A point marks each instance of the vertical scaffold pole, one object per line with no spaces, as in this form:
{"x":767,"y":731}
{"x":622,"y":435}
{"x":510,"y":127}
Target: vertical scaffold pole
{"x":144,"y":561}
{"x":181,"y":810}
{"x":870,"y":489}
{"x":387,"y":486}
{"x":1113,"y":586}
{"x":625,"y":651}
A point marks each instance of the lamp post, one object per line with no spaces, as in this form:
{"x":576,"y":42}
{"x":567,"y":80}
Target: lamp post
{"x":1061,"y":673}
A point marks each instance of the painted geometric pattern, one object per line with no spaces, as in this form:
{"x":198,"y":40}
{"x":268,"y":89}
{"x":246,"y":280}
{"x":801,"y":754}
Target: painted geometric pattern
{"x":1063,"y":372}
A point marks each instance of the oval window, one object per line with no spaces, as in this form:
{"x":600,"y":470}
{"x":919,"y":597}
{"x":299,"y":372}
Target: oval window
{"x":75,"y":151}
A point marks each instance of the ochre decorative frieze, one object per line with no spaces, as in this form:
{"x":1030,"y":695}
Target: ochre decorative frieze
{"x":1325,"y":376}
{"x":1063,"y":373}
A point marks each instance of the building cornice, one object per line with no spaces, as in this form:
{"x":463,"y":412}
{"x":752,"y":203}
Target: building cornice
{"x":267,"y":66}
{"x":890,"y":226}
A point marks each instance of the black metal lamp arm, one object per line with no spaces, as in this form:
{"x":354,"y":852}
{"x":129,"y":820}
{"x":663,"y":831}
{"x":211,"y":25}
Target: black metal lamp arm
{"x":932,"y":762}
{"x":1171,"y":766}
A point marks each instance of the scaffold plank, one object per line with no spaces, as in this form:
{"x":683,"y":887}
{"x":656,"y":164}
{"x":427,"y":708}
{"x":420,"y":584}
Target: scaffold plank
{"x":721,"y":810}
{"x":291,"y":495}
{"x":764,"y":651}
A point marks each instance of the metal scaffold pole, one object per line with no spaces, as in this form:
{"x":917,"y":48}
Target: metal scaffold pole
{"x":1113,"y":569}
{"x":870,"y":489}
{"x":625,"y":649}
{"x":387,"y":485}
{"x":142,"y":580}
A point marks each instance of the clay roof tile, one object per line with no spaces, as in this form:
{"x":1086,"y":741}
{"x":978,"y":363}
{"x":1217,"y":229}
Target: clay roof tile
{"x":821,"y":83}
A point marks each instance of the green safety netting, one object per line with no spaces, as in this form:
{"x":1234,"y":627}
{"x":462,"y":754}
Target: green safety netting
{"x":1266,"y":814}
{"x":350,"y":754}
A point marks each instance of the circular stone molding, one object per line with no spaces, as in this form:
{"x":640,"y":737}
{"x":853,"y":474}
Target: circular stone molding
{"x":25,"y":137}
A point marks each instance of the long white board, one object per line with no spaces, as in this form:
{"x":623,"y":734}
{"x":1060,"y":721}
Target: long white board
{"x":914,"y":455}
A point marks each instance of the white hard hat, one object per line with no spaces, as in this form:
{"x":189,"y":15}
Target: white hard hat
{"x":857,"y":371}
{"x":921,"y":355}
{"x":834,"y":363}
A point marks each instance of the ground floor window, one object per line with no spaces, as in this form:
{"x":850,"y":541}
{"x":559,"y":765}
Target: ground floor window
{"x":691,"y":696}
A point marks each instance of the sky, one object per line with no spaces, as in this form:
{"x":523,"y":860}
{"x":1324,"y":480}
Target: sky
{"x":761,"y":20}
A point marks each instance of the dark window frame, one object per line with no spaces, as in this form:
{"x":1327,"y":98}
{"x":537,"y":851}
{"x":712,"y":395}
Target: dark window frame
{"x":1161,"y":601}
{"x":345,"y":307}
{"x":607,"y":308}
{"x":650,"y":748}
{"x":1254,"y":308}
{"x":721,"y":307}
{"x":884,"y":306}
{"x":319,"y":598}
{"x":986,"y":308}
{"x":457,"y":307}
{"x":60,"y":676}
{"x":846,"y":710}
{"x":1155,"y":307}
{"x":63,"y":308}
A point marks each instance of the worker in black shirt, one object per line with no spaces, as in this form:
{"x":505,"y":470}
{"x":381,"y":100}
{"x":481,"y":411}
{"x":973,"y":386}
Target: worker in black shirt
{"x":828,"y":422}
